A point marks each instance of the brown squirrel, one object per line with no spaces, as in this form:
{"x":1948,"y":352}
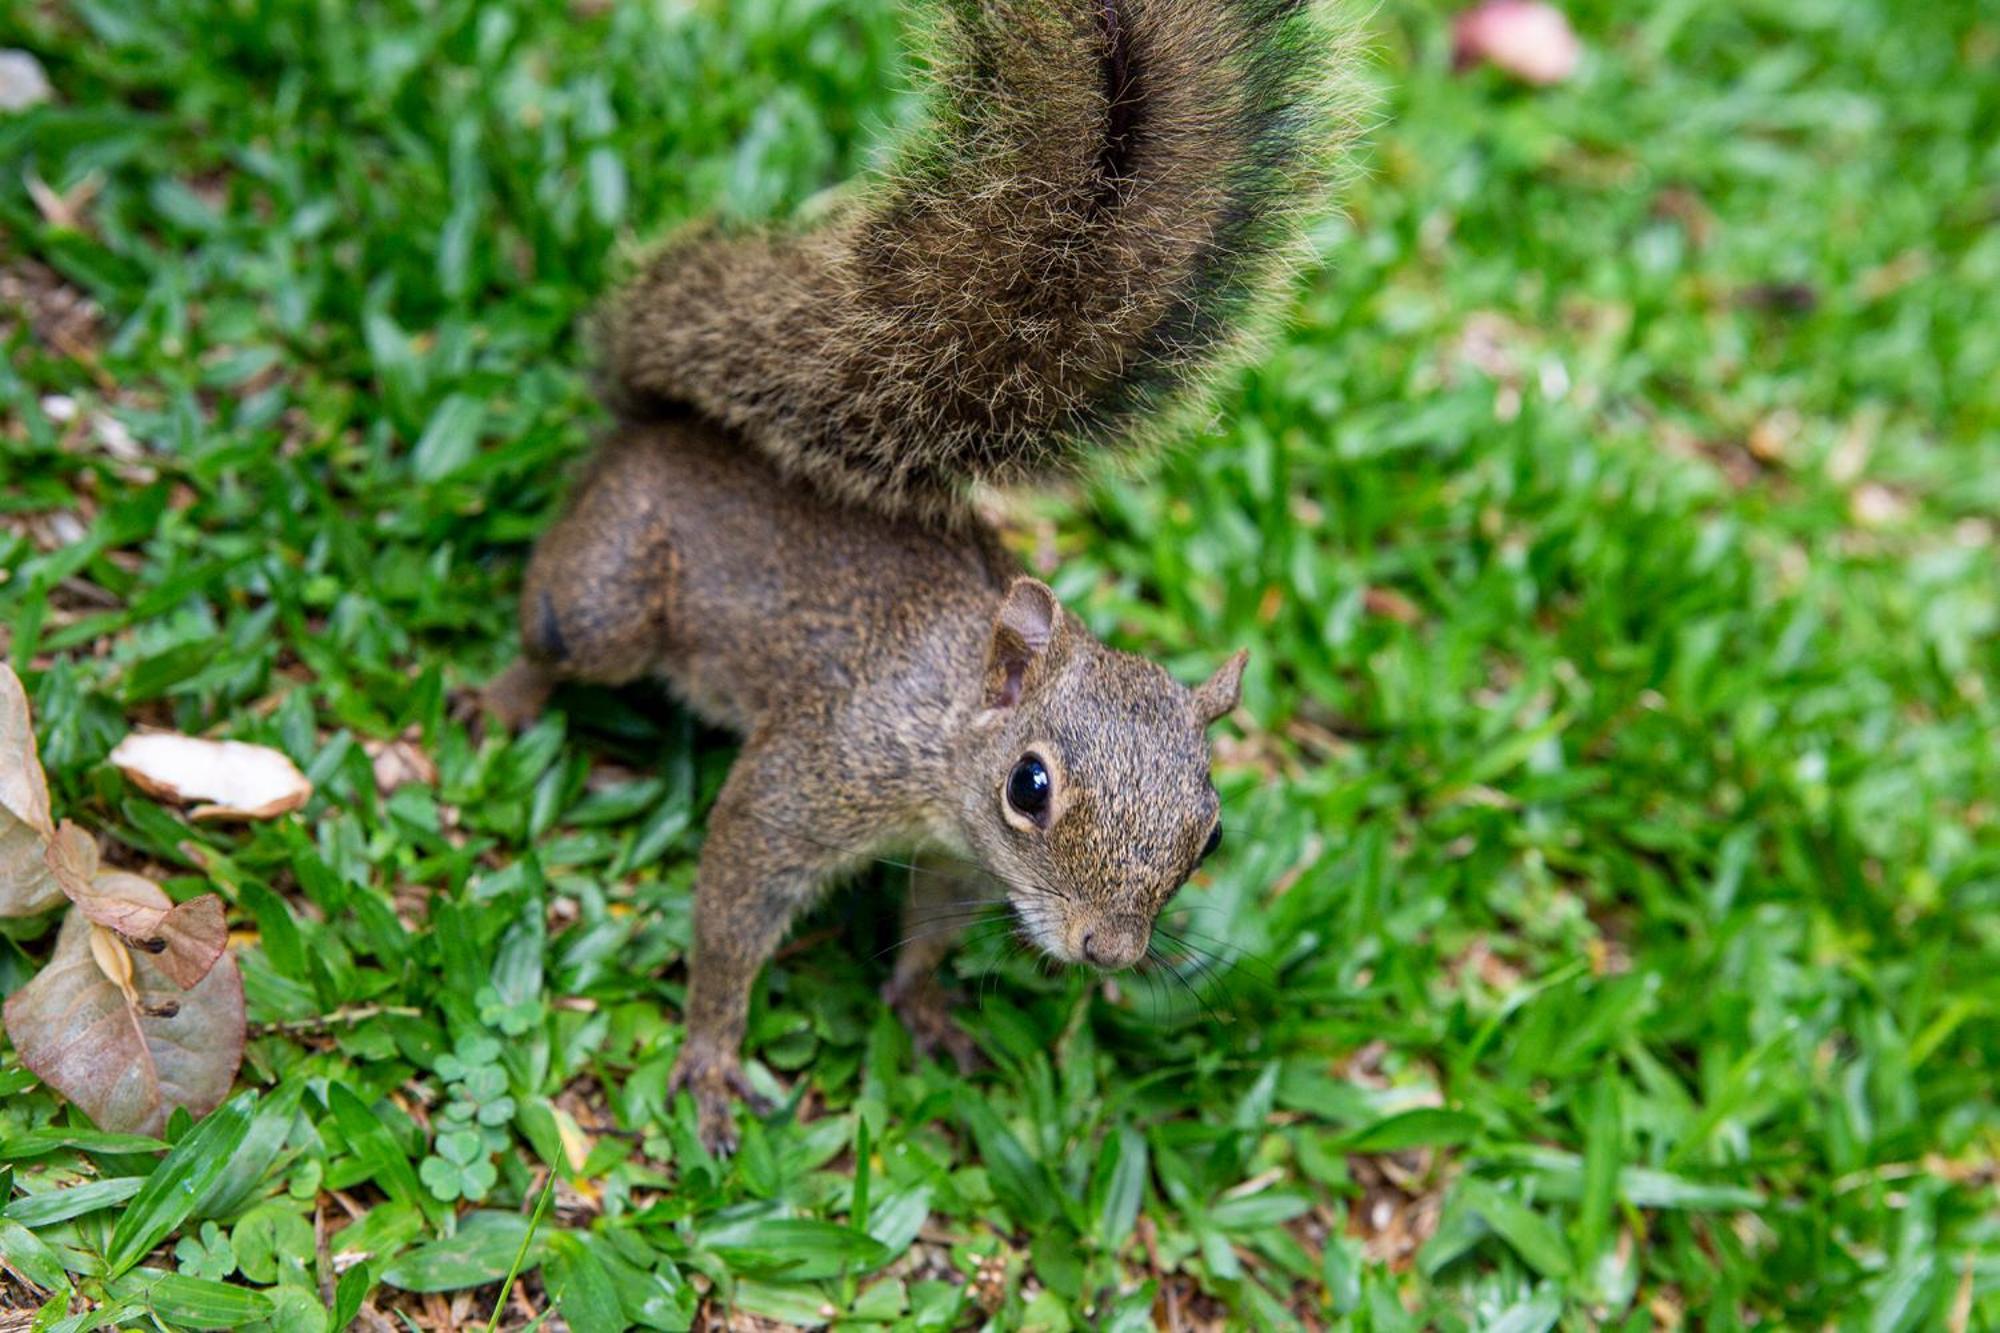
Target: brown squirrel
{"x":781,"y":525}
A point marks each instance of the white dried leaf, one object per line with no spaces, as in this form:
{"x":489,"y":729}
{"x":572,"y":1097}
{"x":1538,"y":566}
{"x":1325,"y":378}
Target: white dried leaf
{"x":23,"y":82}
{"x":115,"y":438}
{"x":231,"y":779}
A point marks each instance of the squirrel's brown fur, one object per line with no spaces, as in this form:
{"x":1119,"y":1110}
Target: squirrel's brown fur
{"x":1104,"y":207}
{"x":1111,"y":188}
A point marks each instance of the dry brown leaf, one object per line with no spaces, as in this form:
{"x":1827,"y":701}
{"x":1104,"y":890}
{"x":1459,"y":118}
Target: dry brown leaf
{"x":72,"y":859}
{"x":188,"y":941}
{"x":1525,"y":38}
{"x":398,"y":763}
{"x":232,"y":779}
{"x":56,"y":312}
{"x":1388,"y":602}
{"x":184,"y":940}
{"x":1771,"y":439}
{"x":23,"y":791}
{"x":64,"y":209}
{"x":27,"y":885}
{"x":127,"y":1064}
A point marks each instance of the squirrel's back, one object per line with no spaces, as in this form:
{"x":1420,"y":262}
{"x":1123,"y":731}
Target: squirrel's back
{"x":1111,"y":189}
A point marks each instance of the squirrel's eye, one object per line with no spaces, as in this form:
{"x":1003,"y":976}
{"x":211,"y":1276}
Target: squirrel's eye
{"x":1028,"y":787}
{"x":1214,"y":841}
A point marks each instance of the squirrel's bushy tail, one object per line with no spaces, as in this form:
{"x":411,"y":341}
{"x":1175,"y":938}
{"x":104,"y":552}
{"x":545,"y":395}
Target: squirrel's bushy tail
{"x":1109,"y":189}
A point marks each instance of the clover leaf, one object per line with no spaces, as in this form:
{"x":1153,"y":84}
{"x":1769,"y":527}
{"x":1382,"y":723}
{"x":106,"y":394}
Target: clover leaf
{"x":209,"y":1256}
{"x":459,"y":1169}
{"x":473,"y":1051}
{"x":515,"y":1019}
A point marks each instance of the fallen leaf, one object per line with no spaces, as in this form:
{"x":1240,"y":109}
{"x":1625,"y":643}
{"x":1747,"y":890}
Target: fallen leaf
{"x":127,"y":1062}
{"x":1388,"y":602}
{"x":27,"y":885}
{"x":114,"y":960}
{"x":185,"y":940}
{"x":1873,"y":505}
{"x":397,"y":763}
{"x":72,"y":859}
{"x":576,"y":1144}
{"x":1770,"y":440}
{"x":53,"y":310}
{"x":23,"y":791}
{"x":64,"y":209}
{"x":115,"y":438}
{"x":1525,"y":38}
{"x":23,"y":82}
{"x":233,"y":779}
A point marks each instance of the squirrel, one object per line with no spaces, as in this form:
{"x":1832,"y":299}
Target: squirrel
{"x":781,"y":524}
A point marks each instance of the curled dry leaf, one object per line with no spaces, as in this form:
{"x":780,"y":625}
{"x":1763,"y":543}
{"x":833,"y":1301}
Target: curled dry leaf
{"x":399,"y":763}
{"x":1525,"y":38}
{"x":232,"y":779}
{"x":184,"y":939}
{"x":72,"y":858}
{"x":1388,"y":602}
{"x":27,"y":885}
{"x":127,"y":1059}
{"x":114,"y":960}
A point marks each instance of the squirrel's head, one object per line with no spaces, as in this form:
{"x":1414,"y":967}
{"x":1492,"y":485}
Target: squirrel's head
{"x":1087,"y":791}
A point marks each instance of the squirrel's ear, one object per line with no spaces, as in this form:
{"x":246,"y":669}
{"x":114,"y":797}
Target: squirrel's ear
{"x":1219,"y":694}
{"x":1024,"y":629}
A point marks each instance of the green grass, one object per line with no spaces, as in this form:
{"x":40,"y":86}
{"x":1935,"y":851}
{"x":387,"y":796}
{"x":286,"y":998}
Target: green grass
{"x":1609,"y":925}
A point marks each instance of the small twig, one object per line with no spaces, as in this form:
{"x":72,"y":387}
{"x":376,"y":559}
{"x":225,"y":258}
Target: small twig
{"x":292,"y":1027}
{"x":605,"y":1129}
{"x":323,"y":1252}
{"x":526,"y":1308}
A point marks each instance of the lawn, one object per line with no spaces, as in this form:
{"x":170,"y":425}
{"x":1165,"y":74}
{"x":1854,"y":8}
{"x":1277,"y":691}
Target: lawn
{"x":1608,"y":926}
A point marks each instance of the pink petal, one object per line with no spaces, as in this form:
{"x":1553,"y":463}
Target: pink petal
{"x":1525,"y":38}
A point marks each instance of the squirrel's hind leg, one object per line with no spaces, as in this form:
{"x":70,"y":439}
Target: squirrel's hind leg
{"x":597,"y":599}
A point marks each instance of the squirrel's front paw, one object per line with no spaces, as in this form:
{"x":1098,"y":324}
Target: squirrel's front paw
{"x":516,"y":697}
{"x":925,"y":1010}
{"x":715,"y":1079}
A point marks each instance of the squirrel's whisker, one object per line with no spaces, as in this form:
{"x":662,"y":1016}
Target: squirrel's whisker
{"x":1204,"y":971}
{"x":1230,"y":957}
{"x":1167,"y":967}
{"x":1206,"y":966}
{"x":973,"y":932}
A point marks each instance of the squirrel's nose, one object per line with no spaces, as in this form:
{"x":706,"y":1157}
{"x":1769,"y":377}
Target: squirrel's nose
{"x":1112,"y":945}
